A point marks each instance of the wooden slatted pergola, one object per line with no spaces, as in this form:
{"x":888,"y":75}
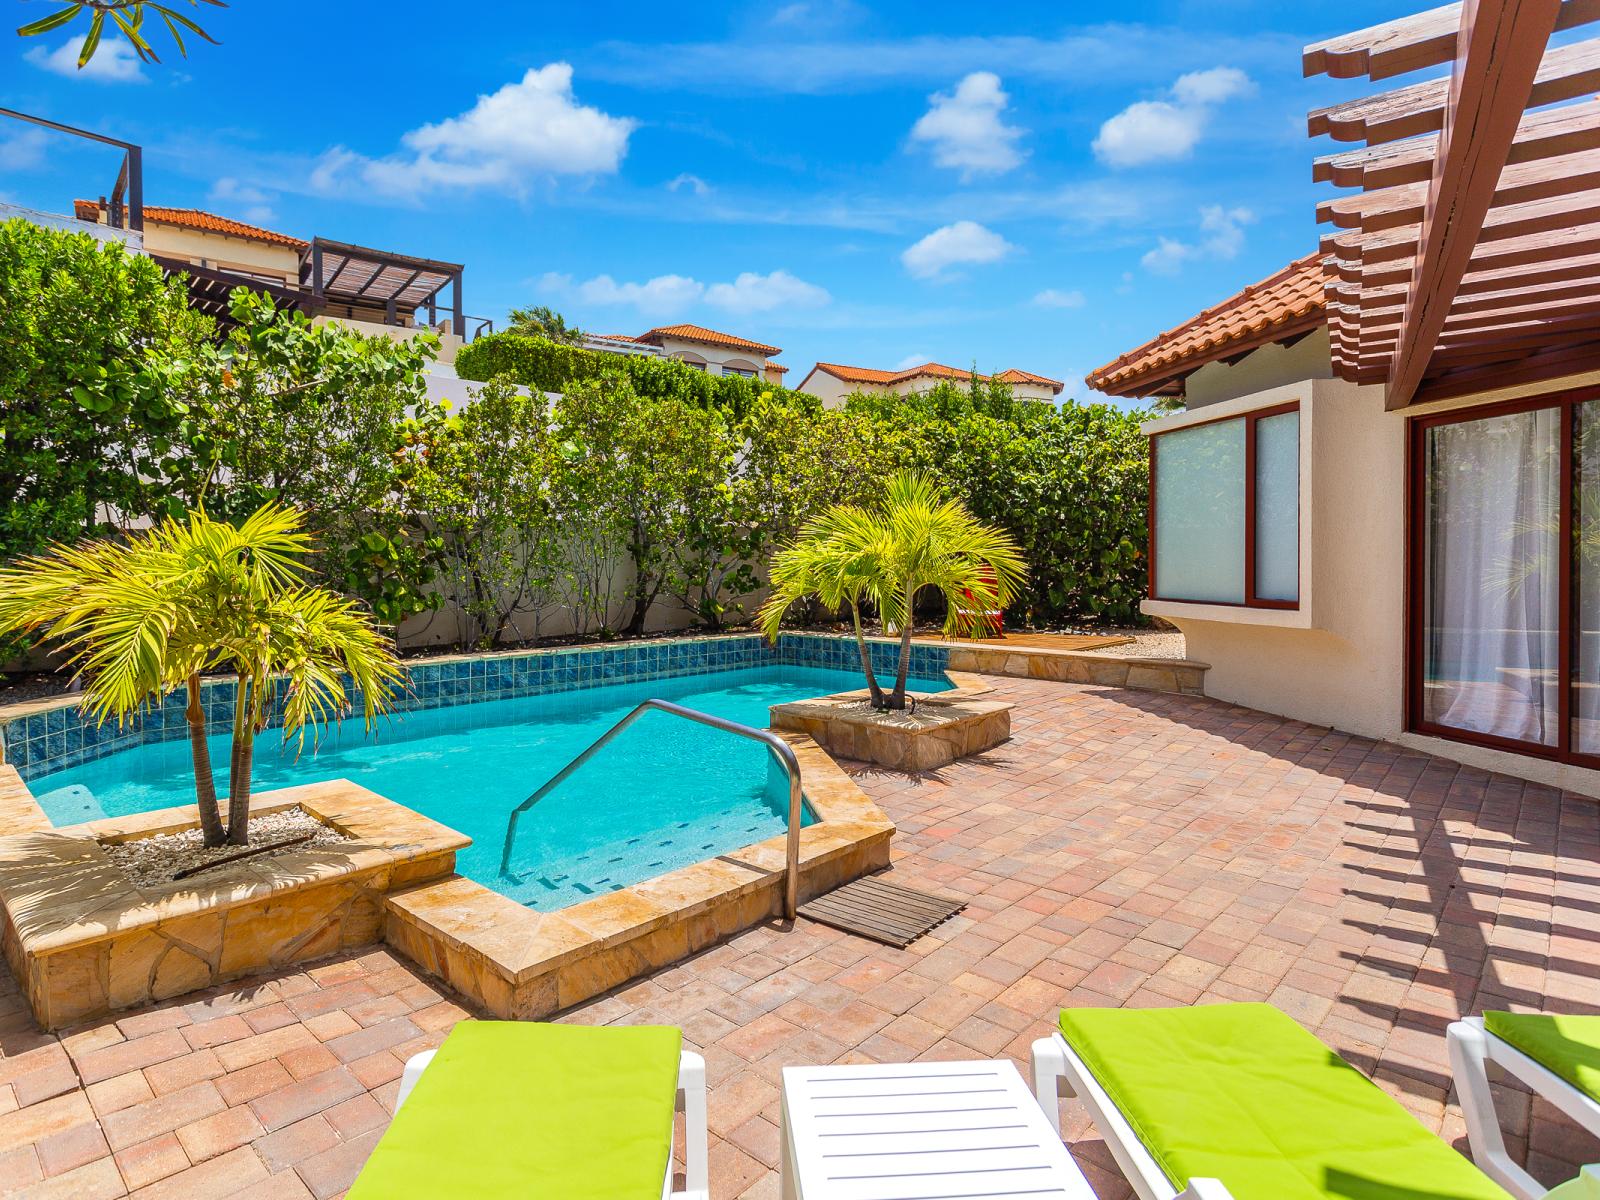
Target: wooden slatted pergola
{"x":1470,"y":257}
{"x":361,"y":277}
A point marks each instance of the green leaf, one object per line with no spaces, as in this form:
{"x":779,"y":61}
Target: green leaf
{"x":53,"y":21}
{"x":91,"y":42}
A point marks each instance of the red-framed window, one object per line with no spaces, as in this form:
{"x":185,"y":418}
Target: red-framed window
{"x":1225,"y":510}
{"x":1503,"y":588}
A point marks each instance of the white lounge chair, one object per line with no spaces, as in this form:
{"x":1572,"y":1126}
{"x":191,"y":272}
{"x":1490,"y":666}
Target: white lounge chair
{"x":1558,"y":1057}
{"x":1238,"y":1102}
{"x":518,"y":1109}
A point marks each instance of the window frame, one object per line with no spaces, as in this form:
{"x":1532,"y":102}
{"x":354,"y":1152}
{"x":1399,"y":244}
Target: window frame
{"x":1251,"y":600}
{"x":1567,"y":401}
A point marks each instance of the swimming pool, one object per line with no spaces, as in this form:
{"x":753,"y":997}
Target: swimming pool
{"x":666,"y":794}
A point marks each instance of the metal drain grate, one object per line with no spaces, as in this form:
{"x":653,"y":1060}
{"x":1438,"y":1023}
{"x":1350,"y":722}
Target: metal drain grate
{"x":883,"y":911}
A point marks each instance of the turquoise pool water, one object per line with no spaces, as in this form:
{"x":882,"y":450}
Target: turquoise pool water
{"x":665,"y":794}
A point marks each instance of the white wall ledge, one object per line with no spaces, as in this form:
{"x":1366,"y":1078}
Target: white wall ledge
{"x":1227,"y":614}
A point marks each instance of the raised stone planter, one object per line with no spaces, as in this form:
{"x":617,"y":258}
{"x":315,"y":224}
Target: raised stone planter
{"x":1184,"y":676}
{"x":941,"y":729}
{"x":83,"y":941}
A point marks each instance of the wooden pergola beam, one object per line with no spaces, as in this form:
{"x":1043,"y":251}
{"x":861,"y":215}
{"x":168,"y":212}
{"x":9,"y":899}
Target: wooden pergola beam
{"x":1565,"y":211}
{"x":1562,"y":74}
{"x":1497,"y":64}
{"x":1413,"y":43}
{"x":1540,"y":135}
{"x":1402,"y":205}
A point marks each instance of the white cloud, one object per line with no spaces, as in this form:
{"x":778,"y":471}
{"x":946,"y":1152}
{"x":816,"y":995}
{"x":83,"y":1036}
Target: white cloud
{"x":114,"y":62}
{"x":23,"y":150}
{"x":1213,"y":86}
{"x":685,"y":180}
{"x":911,"y":360}
{"x":672,"y":295}
{"x":1056,"y":298}
{"x":249,"y":201}
{"x":1223,"y":230}
{"x":953,"y":245}
{"x":532,"y":128}
{"x":966,"y":130}
{"x":752,"y":293}
{"x":1150,"y":131}
{"x":665,"y":295}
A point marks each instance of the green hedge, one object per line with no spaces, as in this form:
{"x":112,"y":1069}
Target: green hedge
{"x":549,"y":367}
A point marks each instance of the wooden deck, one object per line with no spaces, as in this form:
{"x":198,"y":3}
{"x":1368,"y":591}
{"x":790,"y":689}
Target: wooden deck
{"x":1037,"y":641}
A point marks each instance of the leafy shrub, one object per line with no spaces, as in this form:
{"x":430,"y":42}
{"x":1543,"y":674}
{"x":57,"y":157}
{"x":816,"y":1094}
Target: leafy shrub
{"x":548,"y":366}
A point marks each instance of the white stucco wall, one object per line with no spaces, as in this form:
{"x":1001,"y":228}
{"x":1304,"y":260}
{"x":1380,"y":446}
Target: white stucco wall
{"x":1340,"y":660}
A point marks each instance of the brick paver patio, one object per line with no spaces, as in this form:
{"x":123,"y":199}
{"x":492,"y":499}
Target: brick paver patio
{"x":1124,"y":848}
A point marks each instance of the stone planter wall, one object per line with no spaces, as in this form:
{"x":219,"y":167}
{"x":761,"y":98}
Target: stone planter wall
{"x":1184,"y":676}
{"x":83,"y":941}
{"x":933,"y":735}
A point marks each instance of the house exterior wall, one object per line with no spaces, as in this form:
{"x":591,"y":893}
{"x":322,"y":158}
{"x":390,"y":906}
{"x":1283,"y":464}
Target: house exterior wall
{"x":220,"y":250}
{"x":449,"y":343}
{"x":1339,"y":660}
{"x":716,"y":358}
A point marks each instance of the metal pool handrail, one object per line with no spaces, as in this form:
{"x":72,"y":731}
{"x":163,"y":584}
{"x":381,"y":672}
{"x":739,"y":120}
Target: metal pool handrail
{"x":781,"y":750}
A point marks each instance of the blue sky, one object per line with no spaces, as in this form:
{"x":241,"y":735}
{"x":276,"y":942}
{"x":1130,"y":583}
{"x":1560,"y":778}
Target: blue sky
{"x":1016,"y":185}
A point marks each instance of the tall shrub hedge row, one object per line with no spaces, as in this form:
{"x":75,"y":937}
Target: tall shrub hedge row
{"x":548,"y":366}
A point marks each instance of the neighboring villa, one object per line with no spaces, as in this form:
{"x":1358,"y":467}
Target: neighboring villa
{"x":833,"y":382}
{"x":373,"y":291}
{"x":694,"y":345}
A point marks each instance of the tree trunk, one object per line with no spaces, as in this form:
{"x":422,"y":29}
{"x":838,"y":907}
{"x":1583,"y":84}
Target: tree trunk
{"x":205,"y":783}
{"x":642,"y":595}
{"x":239,"y":768}
{"x":903,"y":668}
{"x":866,"y":657}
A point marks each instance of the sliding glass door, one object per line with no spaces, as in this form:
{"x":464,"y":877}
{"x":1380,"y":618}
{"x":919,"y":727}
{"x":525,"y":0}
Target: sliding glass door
{"x":1506,"y":576}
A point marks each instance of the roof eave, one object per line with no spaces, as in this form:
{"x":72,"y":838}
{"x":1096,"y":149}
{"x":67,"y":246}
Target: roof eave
{"x":1168,"y":379}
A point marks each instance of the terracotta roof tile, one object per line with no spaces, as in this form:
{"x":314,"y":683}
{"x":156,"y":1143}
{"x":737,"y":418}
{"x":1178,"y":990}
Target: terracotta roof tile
{"x":855,"y":374}
{"x":1012,"y":375}
{"x":1288,"y":301}
{"x":710,"y":337}
{"x":194,"y":218}
{"x":930,"y":370}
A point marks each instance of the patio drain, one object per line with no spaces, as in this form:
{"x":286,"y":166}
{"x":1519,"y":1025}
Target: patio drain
{"x":885,"y":912}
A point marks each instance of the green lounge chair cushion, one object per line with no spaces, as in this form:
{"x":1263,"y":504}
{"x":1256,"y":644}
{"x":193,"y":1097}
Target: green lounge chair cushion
{"x":1567,"y":1046}
{"x":511,"y":1108}
{"x":1243,"y":1094}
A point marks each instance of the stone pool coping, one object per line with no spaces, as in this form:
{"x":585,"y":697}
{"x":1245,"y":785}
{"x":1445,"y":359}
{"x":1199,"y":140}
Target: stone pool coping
{"x":520,"y":963}
{"x":84,"y":940}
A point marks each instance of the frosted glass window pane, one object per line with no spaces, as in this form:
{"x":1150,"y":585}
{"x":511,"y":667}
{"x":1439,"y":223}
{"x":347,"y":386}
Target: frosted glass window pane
{"x":1491,"y":601}
{"x":1200,"y":513}
{"x":1278,"y":507}
{"x":1586,"y":580}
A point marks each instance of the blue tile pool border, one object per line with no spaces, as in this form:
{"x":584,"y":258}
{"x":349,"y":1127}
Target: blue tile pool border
{"x":57,"y":738}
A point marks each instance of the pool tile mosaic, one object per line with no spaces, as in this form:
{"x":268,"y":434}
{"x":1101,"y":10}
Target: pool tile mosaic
{"x":54,"y":739}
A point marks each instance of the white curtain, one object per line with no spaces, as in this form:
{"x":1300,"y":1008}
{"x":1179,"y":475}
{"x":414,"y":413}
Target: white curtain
{"x":1586,"y":581}
{"x":1492,"y":577}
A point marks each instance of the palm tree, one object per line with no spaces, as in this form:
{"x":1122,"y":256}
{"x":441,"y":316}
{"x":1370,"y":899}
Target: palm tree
{"x":143,"y":617}
{"x":916,"y":538}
